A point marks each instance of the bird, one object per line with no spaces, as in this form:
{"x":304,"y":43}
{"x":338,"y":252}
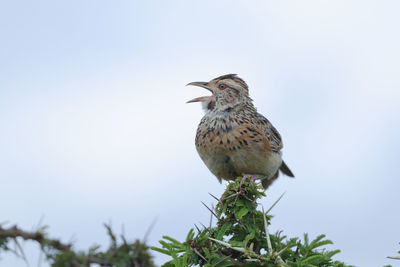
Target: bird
{"x":233,"y":139}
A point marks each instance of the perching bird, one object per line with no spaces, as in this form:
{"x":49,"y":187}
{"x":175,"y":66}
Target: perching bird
{"x":233,"y":139}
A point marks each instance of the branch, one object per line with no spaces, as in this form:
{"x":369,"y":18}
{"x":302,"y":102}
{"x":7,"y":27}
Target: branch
{"x":134,"y":254}
{"x":38,"y":236}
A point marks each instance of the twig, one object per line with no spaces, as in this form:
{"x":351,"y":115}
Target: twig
{"x":14,"y":232}
{"x":50,"y":245}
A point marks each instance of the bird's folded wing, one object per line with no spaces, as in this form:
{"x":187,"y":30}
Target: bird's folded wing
{"x":272,"y":134}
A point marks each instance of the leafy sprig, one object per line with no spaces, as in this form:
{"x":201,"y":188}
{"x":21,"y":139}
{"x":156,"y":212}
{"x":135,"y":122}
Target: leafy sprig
{"x":241,"y":237}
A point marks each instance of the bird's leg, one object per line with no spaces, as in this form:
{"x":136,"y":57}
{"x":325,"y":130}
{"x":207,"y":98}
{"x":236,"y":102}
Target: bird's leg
{"x":244,"y":177}
{"x":253,"y":178}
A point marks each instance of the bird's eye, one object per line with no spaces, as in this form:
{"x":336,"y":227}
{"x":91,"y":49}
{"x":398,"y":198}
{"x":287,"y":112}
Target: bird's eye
{"x":222,"y":86}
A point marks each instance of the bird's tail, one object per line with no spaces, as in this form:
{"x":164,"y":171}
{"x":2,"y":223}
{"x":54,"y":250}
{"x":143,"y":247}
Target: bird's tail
{"x":285,"y":169}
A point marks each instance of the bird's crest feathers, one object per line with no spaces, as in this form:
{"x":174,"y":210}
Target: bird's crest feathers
{"x":233,"y":77}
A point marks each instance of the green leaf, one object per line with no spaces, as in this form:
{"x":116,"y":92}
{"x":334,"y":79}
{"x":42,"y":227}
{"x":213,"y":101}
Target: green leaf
{"x":241,"y":213}
{"x":190,"y":235}
{"x":330,"y":254}
{"x":314,"y":259}
{"x":248,"y":238}
{"x":174,"y":241}
{"x":163,"y":251}
{"x":223,"y":230}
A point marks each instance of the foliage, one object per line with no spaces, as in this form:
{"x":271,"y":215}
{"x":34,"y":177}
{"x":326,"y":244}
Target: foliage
{"x":241,"y":238}
{"x":120,"y":253}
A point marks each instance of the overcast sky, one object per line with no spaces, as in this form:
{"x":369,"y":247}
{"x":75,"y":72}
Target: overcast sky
{"x":94,"y":125}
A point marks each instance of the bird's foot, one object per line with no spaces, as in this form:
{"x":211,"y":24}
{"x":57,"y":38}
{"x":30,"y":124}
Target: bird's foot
{"x":252,"y":177}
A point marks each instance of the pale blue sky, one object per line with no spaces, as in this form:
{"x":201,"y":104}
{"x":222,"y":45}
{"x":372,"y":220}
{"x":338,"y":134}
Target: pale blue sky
{"x":95,"y":126}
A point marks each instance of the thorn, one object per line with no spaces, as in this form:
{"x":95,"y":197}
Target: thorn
{"x":269,"y":246}
{"x":21,"y":251}
{"x":203,"y":226}
{"x":211,"y":217}
{"x":198,"y":253}
{"x":227,"y":245}
{"x":281,"y":251}
{"x":276,"y":202}
{"x":210,"y":210}
{"x":251,"y":246}
{"x":40,"y":222}
{"x":148,"y":231}
{"x":214,"y":197}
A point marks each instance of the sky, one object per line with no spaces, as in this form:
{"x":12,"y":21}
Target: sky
{"x":94,"y":125}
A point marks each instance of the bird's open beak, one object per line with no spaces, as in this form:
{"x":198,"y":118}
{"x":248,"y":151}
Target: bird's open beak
{"x":201,"y":98}
{"x":201,"y":84}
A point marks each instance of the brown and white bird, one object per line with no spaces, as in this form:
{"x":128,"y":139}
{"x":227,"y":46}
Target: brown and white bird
{"x":233,"y":139}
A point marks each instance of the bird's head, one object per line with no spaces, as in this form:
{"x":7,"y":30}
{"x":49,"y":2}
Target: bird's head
{"x":227,"y":92}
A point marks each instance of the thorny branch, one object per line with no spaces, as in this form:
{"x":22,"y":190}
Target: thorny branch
{"x":38,"y":236}
{"x":135,"y":254}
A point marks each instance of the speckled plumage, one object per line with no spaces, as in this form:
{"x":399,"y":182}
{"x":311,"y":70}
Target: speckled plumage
{"x":233,"y":139}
